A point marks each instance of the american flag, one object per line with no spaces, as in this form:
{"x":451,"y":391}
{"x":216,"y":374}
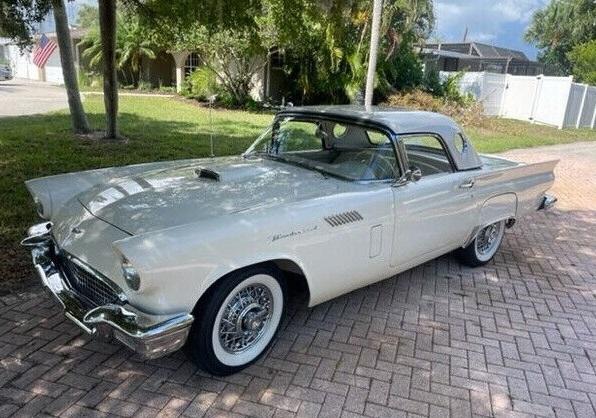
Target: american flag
{"x":43,"y":50}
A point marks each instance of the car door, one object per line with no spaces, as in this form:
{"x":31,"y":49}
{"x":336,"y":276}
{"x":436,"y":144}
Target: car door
{"x":433,"y":214}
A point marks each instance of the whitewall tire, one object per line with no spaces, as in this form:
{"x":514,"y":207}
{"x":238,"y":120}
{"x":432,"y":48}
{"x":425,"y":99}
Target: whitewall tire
{"x":238,"y":320}
{"x":484,"y":246}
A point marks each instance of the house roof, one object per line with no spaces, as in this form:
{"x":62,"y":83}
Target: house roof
{"x":479,"y":49}
{"x":75,"y":33}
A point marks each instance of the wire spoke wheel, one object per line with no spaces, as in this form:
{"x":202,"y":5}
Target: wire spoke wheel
{"x":245,"y":318}
{"x":488,"y":241}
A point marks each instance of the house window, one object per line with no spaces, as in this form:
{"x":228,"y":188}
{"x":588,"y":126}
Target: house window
{"x":192,"y":63}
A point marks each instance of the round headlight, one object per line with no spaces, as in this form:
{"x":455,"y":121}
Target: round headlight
{"x":131,"y":276}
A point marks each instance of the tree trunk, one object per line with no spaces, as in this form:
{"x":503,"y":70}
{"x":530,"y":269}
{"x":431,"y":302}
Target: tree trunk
{"x":107,"y":27}
{"x":77,"y":114}
{"x":374,"y":47}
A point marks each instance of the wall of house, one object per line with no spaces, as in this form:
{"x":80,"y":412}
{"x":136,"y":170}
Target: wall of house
{"x":160,"y":71}
{"x":23,"y":67}
{"x":53,"y":68}
{"x":22,"y":64}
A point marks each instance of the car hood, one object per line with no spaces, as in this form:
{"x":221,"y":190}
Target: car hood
{"x":178,"y":195}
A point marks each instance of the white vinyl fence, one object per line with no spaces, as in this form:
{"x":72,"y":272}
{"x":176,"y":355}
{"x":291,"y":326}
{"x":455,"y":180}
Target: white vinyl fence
{"x":556,"y":101}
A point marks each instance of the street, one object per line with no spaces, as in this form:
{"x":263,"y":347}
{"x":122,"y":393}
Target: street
{"x":25,"y":97}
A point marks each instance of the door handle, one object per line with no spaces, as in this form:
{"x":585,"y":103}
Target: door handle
{"x":468,"y":184}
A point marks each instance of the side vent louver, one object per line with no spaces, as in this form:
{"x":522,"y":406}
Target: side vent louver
{"x":344,"y":218}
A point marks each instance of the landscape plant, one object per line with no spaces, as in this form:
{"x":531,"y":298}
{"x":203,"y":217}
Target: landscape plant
{"x":583,"y":62}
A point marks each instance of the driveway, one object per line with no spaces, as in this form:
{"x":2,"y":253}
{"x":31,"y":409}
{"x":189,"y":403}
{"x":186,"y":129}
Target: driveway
{"x":25,"y":97}
{"x":514,"y":338}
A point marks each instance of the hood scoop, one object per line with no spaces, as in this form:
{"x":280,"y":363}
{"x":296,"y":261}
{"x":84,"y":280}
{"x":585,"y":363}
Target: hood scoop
{"x":205,"y":173}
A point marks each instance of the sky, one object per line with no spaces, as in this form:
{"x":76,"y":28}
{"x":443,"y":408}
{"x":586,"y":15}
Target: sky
{"x":499,"y":22}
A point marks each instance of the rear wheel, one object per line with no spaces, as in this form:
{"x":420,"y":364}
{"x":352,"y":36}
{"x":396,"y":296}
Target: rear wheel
{"x":484,"y":246}
{"x":238,"y":320}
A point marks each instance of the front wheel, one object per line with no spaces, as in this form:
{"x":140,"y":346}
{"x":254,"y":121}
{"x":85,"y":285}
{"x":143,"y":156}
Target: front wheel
{"x":237,"y":322}
{"x":484,"y":246}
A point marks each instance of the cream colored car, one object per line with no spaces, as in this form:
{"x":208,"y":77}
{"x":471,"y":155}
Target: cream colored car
{"x":200,"y":251}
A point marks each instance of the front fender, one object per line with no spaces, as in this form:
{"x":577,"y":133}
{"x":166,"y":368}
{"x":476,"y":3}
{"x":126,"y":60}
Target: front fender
{"x":179,"y":264}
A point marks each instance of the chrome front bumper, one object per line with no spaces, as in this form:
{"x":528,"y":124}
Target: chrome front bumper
{"x":149,"y":335}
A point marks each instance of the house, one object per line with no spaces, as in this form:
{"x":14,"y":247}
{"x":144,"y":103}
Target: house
{"x":169,"y":68}
{"x":476,"y":56}
{"x":22,"y":64}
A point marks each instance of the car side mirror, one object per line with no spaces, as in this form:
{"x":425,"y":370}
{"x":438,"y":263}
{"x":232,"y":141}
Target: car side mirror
{"x":415,"y":173}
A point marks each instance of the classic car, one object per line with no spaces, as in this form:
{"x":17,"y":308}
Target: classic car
{"x":199,"y":252}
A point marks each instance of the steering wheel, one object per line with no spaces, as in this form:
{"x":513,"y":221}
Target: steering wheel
{"x":382,"y":168}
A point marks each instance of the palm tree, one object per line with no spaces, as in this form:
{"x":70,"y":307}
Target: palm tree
{"x":374,"y":48}
{"x":107,"y":29}
{"x":77,"y":113}
{"x":134,"y":45}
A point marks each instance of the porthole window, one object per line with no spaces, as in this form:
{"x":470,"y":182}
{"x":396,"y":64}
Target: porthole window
{"x":460,"y":143}
{"x":339,"y":130}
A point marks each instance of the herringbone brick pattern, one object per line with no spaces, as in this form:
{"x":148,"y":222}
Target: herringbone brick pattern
{"x":514,"y":338}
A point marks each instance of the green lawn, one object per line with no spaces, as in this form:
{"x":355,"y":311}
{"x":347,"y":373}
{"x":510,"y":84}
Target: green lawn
{"x":159,"y":129}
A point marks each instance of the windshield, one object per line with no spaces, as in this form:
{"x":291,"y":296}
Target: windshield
{"x":340,"y":149}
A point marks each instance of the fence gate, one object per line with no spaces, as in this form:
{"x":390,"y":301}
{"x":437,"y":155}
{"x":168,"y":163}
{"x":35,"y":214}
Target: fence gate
{"x":556,"y":101}
{"x":519,"y":98}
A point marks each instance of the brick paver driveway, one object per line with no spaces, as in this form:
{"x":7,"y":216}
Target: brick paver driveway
{"x":513,"y":338}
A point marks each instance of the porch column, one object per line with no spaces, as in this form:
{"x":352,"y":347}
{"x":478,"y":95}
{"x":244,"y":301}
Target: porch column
{"x":179,"y":60}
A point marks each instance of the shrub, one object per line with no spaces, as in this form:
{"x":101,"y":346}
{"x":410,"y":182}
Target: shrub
{"x":451,"y":92}
{"x":144,"y":86}
{"x":201,"y":84}
{"x":466,"y":113}
{"x":88,"y":80}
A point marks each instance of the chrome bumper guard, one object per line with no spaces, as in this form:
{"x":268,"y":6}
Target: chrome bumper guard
{"x":548,"y":201}
{"x":150,"y":336}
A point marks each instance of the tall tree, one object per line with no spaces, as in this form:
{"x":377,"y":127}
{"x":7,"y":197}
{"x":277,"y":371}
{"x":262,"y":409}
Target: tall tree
{"x":559,"y":27}
{"x":373,"y":51}
{"x":107,"y":26}
{"x":324,"y":44}
{"x":583,"y":60}
{"x":133,"y":44}
{"x":69,"y":73}
{"x":19,"y":20}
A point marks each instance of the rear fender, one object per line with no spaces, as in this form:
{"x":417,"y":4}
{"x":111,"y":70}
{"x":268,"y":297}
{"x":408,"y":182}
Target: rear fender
{"x":498,"y":208}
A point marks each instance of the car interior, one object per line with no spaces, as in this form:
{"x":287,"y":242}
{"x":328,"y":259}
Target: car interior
{"x":355,"y":152}
{"x":347,"y":151}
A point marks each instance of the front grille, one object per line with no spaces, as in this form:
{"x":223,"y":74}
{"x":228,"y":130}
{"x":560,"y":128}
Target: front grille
{"x":89,"y":284}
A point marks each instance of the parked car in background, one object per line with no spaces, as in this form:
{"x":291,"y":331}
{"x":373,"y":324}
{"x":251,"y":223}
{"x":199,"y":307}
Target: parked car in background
{"x":5,"y":72}
{"x":200,"y":251}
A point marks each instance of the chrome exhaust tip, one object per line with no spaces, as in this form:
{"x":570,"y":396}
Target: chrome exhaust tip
{"x":548,"y":201}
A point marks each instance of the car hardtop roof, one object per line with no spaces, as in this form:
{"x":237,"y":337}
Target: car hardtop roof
{"x":398,"y":120}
